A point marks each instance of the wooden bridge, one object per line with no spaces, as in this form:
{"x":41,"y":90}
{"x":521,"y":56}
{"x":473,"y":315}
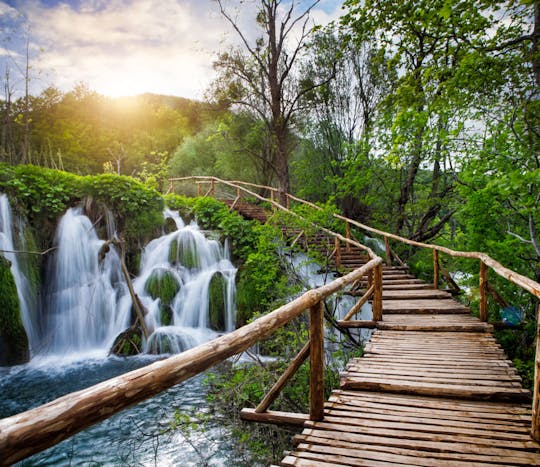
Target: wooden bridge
{"x":433,"y":387}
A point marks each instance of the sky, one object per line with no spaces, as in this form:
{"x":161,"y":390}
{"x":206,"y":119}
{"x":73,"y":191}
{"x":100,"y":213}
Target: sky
{"x":123,"y":47}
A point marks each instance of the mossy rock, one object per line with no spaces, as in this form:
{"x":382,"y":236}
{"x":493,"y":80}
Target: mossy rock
{"x":164,"y":285}
{"x":183,"y":255}
{"x":128,"y":343}
{"x":170,"y":225}
{"x":166,"y":314}
{"x":14,"y":348}
{"x":217,"y":294}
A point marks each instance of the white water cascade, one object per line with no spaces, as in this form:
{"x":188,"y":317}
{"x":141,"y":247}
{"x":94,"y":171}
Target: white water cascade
{"x":27,"y":295}
{"x":80,"y":311}
{"x":190,"y":266}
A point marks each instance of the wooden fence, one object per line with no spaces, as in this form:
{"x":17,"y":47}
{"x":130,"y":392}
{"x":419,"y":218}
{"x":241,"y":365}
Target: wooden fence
{"x":485,"y":262}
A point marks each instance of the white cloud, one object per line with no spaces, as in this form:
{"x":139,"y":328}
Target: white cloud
{"x":124,"y":47}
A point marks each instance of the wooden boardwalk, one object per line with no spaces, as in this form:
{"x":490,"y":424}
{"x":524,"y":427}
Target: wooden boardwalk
{"x":433,"y":388}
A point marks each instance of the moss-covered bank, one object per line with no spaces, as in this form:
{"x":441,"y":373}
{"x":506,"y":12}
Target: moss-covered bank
{"x":13,"y":340}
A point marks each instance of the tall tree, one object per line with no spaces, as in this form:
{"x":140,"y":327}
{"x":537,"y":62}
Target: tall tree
{"x":262,"y":76}
{"x":432,"y":44}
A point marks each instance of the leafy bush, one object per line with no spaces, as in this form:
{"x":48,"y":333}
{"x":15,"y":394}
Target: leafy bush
{"x":44,"y":195}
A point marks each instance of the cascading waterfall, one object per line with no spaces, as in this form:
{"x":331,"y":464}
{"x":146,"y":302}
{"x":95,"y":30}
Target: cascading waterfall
{"x":80,"y":312}
{"x":187,"y":285}
{"x":25,"y":291}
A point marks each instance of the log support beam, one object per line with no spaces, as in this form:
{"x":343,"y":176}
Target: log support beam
{"x":316,"y":355}
{"x":435,"y":269}
{"x":483,"y":292}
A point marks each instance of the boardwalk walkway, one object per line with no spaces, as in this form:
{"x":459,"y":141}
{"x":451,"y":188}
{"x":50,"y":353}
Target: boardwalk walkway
{"x":433,"y":388}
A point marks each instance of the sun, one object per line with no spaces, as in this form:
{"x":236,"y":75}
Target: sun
{"x":121,"y":83}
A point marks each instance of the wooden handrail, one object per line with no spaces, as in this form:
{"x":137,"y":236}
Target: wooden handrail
{"x":36,"y":429}
{"x":524,"y":282}
{"x":486,"y":261}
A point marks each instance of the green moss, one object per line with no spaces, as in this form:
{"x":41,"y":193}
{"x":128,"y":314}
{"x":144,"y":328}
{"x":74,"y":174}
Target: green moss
{"x":217,"y":293}
{"x":14,"y":348}
{"x":162,"y":284}
{"x":184,"y":254}
{"x":128,"y":343}
{"x":45,"y":194}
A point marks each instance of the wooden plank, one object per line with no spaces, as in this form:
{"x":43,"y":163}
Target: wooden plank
{"x":316,"y":459}
{"x":406,"y":294}
{"x":434,"y":327}
{"x":433,"y":389}
{"x":428,"y":306}
{"x":292,"y":461}
{"x":416,"y":439}
{"x":441,"y":375}
{"x":420,"y":455}
{"x":447,"y":418}
{"x":356,"y":457}
{"x":348,"y":419}
{"x":422,"y":379}
{"x":275,"y":417}
{"x":446,"y":403}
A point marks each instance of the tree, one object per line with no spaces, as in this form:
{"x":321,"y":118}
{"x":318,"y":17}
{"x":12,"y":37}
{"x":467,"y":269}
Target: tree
{"x":262,"y":76}
{"x":340,"y":120}
{"x":439,"y":48}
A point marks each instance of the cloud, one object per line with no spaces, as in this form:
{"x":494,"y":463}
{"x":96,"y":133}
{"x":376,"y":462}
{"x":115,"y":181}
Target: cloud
{"x":121,"y":47}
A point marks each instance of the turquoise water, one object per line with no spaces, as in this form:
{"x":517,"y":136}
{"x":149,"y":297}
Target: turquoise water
{"x":140,"y":435}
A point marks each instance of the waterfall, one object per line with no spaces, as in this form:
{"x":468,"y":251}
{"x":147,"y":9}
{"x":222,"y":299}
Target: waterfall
{"x":25,"y":291}
{"x":187,"y":284}
{"x":80,"y":311}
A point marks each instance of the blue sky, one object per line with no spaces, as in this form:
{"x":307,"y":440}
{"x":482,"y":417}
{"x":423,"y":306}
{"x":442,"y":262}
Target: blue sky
{"x":122,"y":47}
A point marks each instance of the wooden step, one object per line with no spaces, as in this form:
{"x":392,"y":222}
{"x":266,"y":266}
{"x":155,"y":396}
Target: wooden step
{"x":423,"y":306}
{"x":432,"y":322}
{"x":409,"y":294}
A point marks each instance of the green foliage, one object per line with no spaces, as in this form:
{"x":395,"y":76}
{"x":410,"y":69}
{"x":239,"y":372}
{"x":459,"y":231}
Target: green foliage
{"x":164,"y":285}
{"x":81,"y":131}
{"x":137,"y":208}
{"x":217,"y":294}
{"x":226,"y":148}
{"x":44,"y":195}
{"x":41,"y":192}
{"x":234,"y":387}
{"x":261,"y":278}
{"x":128,"y":342}
{"x":14,"y":348}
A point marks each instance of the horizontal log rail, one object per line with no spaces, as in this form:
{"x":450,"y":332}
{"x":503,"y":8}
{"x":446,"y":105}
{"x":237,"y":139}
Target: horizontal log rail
{"x":37,"y":429}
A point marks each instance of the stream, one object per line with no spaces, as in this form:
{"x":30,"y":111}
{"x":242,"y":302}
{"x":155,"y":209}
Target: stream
{"x":136,"y":436}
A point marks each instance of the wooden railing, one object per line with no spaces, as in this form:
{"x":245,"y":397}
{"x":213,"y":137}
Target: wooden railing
{"x":485,"y":262}
{"x":32,"y":431}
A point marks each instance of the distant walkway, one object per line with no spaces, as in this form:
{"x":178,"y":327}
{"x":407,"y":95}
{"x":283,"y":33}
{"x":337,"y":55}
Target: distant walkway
{"x":433,"y":388}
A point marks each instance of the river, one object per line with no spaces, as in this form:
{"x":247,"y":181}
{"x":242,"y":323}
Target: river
{"x":140,"y":435}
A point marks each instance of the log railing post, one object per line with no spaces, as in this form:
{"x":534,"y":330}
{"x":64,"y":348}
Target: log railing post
{"x":435,"y":269}
{"x":377,"y":294}
{"x":212,"y":187}
{"x":483,"y":292}
{"x":316,"y":355}
{"x":198,"y":188}
{"x":348,"y":235}
{"x":238,"y":193}
{"x":388,"y":251}
{"x":535,"y":421}
{"x":337,"y":244}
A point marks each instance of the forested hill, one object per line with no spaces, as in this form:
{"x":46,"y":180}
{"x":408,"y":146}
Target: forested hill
{"x":84,"y":132}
